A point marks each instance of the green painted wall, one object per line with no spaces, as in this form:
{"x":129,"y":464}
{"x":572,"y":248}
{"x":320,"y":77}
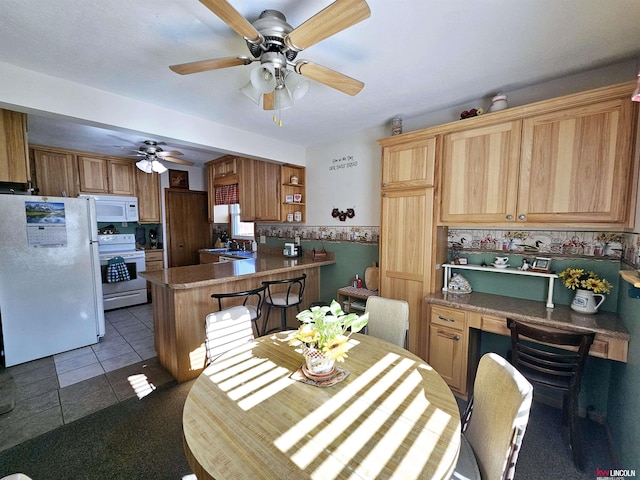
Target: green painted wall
{"x":624,"y":388}
{"x":351,"y":258}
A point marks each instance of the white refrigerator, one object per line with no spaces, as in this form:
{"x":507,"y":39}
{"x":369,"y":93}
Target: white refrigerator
{"x":50,"y":281}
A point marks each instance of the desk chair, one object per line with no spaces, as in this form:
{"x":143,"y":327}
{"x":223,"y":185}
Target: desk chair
{"x":388,"y":319}
{"x":283,"y":299}
{"x":227,"y":329}
{"x":555,"y":369}
{"x":253,"y":300}
{"x":494,"y":422}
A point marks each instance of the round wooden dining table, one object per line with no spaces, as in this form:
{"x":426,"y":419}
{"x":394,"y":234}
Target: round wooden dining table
{"x":249,"y":415}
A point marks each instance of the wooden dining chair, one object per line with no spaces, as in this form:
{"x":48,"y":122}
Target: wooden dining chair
{"x":253,"y":300}
{"x":494,"y":422}
{"x":388,"y":319}
{"x":226,"y":330}
{"x":283,"y":294}
{"x":557,"y":369}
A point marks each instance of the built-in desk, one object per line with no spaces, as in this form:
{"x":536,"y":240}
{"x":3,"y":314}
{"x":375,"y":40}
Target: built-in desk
{"x":453,"y":319}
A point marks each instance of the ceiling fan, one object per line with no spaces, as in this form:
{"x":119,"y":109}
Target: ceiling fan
{"x":274,"y":43}
{"x":152,"y":154}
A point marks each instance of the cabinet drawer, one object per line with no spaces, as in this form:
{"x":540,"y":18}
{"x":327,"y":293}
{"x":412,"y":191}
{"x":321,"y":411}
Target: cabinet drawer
{"x":153,"y":256}
{"x":155,"y":265}
{"x":448,"y":317}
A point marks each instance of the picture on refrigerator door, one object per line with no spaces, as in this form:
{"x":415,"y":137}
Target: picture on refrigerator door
{"x":46,"y":224}
{"x":45,"y":212}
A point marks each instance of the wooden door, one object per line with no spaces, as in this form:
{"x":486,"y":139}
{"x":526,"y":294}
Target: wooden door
{"x":480,"y":174}
{"x":55,"y":173}
{"x":577,"y":164}
{"x":148,"y":188}
{"x":188,"y":229}
{"x":409,"y":164}
{"x":406,"y":247}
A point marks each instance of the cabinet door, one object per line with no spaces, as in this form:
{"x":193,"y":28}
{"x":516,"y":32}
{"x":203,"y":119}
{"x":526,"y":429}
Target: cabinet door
{"x":267,"y":191}
{"x":14,"y":164}
{"x":480,"y":174}
{"x":121,"y":177}
{"x":93,"y":174}
{"x":447,"y":350}
{"x":410,"y":164}
{"x":55,"y":173}
{"x":245,"y":189}
{"x":148,"y":188}
{"x":577,"y":164}
{"x":405,"y":252}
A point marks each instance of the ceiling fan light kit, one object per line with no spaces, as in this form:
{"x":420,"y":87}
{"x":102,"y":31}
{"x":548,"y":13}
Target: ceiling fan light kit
{"x":152,"y":154}
{"x":275,"y":44}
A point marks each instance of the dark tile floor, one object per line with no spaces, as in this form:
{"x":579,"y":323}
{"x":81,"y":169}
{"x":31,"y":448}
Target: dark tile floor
{"x":56,"y":390}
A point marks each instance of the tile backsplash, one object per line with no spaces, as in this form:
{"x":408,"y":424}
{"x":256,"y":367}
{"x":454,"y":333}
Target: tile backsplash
{"x":613,"y":245}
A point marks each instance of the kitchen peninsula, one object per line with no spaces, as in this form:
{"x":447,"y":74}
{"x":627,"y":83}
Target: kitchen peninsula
{"x":182,"y":300}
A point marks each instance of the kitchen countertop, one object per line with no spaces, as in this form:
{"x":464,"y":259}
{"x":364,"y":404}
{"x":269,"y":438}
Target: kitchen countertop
{"x":603,"y":322}
{"x":193,"y":276}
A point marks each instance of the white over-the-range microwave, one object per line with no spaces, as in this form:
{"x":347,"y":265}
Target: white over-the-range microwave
{"x":110,"y":208}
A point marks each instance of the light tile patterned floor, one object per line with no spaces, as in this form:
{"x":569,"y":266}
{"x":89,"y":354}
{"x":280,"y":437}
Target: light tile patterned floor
{"x":56,"y":390}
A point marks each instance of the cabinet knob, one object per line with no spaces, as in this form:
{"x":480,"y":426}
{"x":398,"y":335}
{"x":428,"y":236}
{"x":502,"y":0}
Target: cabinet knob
{"x":384,"y":194}
{"x":509,"y":217}
{"x":522,"y":217}
{"x":456,"y":338}
{"x":384,"y":184}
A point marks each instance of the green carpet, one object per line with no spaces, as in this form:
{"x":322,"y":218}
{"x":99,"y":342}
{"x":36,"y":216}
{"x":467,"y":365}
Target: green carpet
{"x":134,"y":439}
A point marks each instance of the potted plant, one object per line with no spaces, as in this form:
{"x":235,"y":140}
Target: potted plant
{"x":324,"y":333}
{"x":587,"y":286}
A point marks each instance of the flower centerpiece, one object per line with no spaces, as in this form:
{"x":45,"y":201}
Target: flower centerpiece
{"x":587,"y":286}
{"x":324,"y":333}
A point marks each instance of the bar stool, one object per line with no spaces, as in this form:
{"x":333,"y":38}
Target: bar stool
{"x":254,"y":299}
{"x":292,"y":297}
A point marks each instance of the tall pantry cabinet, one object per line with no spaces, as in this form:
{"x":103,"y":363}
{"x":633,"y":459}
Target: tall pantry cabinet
{"x":408,"y":245}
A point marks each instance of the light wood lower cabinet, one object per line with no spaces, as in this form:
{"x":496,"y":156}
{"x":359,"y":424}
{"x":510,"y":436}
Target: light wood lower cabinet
{"x":153,"y":260}
{"x":448,"y":346}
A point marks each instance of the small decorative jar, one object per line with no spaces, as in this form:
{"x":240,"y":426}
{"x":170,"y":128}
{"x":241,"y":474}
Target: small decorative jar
{"x":294,"y":179}
{"x":499,"y":102}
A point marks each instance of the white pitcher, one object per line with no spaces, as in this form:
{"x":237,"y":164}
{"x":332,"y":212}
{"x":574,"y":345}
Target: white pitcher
{"x":585,"y":302}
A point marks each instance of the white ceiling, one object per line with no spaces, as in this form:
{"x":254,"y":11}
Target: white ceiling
{"x":414,"y":56}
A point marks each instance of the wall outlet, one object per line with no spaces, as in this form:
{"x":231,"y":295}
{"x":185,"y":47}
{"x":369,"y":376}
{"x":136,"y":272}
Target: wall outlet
{"x":263,"y":239}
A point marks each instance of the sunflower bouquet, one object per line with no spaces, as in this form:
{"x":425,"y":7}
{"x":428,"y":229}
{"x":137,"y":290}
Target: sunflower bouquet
{"x":574,"y":278}
{"x":327,"y":328}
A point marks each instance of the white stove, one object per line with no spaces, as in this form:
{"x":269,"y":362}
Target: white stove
{"x":128,"y":292}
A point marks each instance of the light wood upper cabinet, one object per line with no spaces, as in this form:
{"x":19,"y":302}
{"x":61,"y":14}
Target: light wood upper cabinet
{"x":106,"y":175}
{"x":480,"y":174}
{"x":566,"y":161}
{"x":55,"y":173}
{"x":259,"y":190}
{"x":576,"y":164}
{"x":14,"y":159}
{"x":409,"y":164}
{"x":148,"y":188}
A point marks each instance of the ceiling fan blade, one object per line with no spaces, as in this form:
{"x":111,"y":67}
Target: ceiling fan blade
{"x":231,"y":17}
{"x":212,"y":64}
{"x":177,"y":160}
{"x":329,"y":77}
{"x":172,"y":153}
{"x":336,"y":17}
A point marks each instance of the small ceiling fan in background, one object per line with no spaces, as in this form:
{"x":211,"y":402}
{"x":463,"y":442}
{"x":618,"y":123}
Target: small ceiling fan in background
{"x":153,"y":154}
{"x":280,"y":79}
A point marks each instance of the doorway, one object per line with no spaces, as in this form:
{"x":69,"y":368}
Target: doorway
{"x":188,"y":228}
